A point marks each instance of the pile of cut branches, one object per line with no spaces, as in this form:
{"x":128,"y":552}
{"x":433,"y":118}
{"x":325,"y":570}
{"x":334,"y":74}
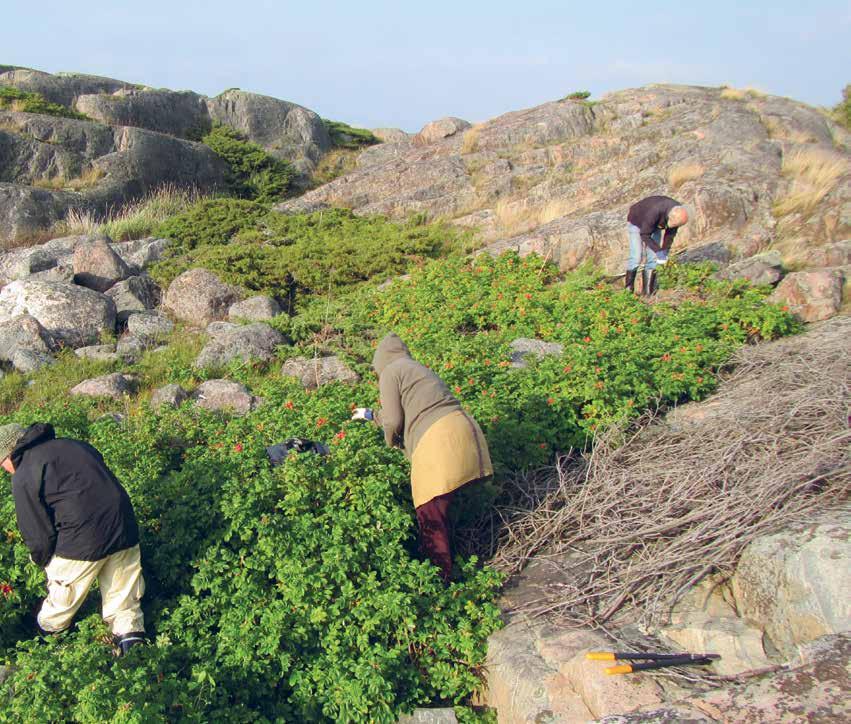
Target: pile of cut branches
{"x":652,"y":510}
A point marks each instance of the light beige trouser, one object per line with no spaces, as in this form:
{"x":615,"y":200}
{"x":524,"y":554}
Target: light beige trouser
{"x":121,"y":589}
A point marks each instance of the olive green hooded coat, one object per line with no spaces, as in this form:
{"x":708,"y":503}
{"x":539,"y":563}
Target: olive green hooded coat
{"x":413,"y":398}
{"x":418,"y":412}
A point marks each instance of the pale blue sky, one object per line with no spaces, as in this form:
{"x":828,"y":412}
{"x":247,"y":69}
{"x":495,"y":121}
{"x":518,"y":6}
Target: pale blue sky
{"x":382,"y":63}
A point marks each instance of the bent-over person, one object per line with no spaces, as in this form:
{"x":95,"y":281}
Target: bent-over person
{"x":647,"y":220}
{"x":78,"y":524}
{"x":446,"y":446}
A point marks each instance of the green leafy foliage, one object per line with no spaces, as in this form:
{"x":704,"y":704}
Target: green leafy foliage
{"x":345,"y":136}
{"x":279,"y":254}
{"x":254,"y":173}
{"x":578,"y":96}
{"x":295,"y":593}
{"x":12,"y":98}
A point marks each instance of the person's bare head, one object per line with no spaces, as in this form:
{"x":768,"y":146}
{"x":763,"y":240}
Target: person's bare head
{"x":677,"y":217}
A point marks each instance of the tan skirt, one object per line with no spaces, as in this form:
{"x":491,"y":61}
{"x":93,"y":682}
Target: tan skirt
{"x":453,"y":451}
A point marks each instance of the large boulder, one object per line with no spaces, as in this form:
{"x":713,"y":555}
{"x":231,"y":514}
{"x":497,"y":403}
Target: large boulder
{"x":286,"y":130}
{"x":255,"y":309}
{"x":794,"y":584}
{"x":73,"y":315}
{"x":317,"y":371}
{"x":139,"y":254}
{"x":198,"y":297}
{"x":440,"y":129}
{"x":61,"y":88}
{"x":812,"y":295}
{"x":177,"y":113}
{"x":25,"y":262}
{"x":114,"y":385}
{"x":97,"y":266}
{"x":225,"y":396}
{"x":25,"y":344}
{"x":252,"y":341}
{"x":169,"y":396}
{"x":100,"y":352}
{"x":134,"y":294}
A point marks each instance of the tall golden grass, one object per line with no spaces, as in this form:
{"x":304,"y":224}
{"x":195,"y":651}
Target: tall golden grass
{"x":678,"y":175}
{"x":813,"y":173}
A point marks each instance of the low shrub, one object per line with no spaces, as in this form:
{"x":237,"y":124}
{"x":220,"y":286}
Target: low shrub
{"x":345,"y":136}
{"x":323,"y":252}
{"x":14,"y":99}
{"x":578,"y":96}
{"x":254,"y":173}
{"x":842,"y":110}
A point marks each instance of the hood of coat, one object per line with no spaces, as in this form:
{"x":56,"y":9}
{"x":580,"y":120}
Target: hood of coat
{"x":389,"y":350}
{"x":35,"y":435}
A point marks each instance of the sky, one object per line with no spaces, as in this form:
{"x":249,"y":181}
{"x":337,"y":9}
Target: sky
{"x":401,"y":64}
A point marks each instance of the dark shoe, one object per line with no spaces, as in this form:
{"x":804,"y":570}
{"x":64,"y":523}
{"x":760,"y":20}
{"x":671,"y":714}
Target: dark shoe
{"x":630,"y":279}
{"x":650,"y":282}
{"x":127,"y":641}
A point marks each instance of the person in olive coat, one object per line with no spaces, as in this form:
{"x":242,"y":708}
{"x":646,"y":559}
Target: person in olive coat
{"x":446,"y":446}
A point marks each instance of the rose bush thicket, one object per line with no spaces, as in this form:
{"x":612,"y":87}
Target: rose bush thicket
{"x":295,"y":593}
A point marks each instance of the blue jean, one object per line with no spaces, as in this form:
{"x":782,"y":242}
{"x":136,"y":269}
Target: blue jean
{"x":635,"y":248}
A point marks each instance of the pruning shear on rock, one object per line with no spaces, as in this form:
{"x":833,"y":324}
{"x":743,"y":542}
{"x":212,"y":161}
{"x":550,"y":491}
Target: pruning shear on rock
{"x":648,"y":661}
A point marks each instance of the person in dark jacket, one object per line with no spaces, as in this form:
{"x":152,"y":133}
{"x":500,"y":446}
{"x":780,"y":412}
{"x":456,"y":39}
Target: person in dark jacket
{"x":647,"y":220}
{"x":445,"y":445}
{"x":78,"y":524}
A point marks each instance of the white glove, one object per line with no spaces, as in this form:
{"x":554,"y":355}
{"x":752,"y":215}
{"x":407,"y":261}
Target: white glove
{"x":363,"y":413}
{"x":661,"y":258}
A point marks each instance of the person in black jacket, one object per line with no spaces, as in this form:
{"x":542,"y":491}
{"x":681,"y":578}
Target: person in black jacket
{"x":647,"y":220}
{"x":78,"y":524}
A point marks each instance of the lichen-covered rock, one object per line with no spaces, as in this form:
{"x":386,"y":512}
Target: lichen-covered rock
{"x":25,"y":262}
{"x":838,"y":254}
{"x":104,"y":352}
{"x":115,"y":385}
{"x":139,"y":254}
{"x":225,"y":396}
{"x":169,"y":396}
{"x":149,"y":326}
{"x":524,"y":347}
{"x":816,"y":689}
{"x":739,"y":645}
{"x":391,"y":135}
{"x":131,"y":348}
{"x":97,"y":266}
{"x":73,"y":315}
{"x":198,"y":297}
{"x":25,"y":344}
{"x":318,"y":371}
{"x":135,"y":294}
{"x":255,"y":309}
{"x":760,"y":269}
{"x":794,"y":584}
{"x":252,"y":341}
{"x":812,"y":295}
{"x":714,"y":251}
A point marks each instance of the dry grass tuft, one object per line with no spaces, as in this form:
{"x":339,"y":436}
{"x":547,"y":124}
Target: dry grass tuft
{"x":555,"y":210}
{"x":679,"y":175}
{"x":814,"y":174}
{"x":86,"y":180}
{"x":515,"y":216}
{"x":741,"y":94}
{"x":134,"y":220}
{"x":470,"y":140}
{"x":770,"y":449}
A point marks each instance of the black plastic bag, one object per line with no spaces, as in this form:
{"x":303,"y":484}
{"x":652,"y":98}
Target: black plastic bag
{"x":277,"y":454}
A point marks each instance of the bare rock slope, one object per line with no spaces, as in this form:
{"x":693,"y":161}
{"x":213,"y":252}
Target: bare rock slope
{"x":558,"y":179}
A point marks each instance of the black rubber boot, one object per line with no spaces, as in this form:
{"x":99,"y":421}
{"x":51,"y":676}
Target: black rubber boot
{"x":650,"y":282}
{"x":630,"y":279}
{"x":127,"y":641}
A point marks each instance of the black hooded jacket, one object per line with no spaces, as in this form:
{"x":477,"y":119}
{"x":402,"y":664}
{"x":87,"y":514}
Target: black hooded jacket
{"x":67,"y":500}
{"x":650,"y":215}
